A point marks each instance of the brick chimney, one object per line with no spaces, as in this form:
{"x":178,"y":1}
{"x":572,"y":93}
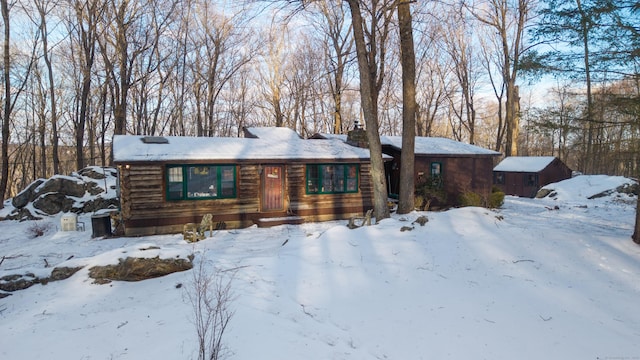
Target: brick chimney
{"x":358,"y":137}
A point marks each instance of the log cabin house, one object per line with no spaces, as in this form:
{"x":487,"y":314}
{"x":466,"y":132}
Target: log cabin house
{"x":269,"y":177}
{"x":452,"y":166}
{"x":524,"y":175}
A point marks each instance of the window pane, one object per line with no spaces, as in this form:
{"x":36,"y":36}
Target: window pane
{"x":339,"y":178}
{"x":436,"y":169}
{"x":202,"y":181}
{"x":175,"y":191}
{"x":228,"y":183}
{"x":352,"y":178}
{"x":332,"y":178}
{"x":175,"y":185}
{"x":327,"y":178}
{"x":175,"y":174}
{"x":312,"y":178}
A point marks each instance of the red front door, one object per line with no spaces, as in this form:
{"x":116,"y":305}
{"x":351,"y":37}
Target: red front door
{"x":272,"y":188}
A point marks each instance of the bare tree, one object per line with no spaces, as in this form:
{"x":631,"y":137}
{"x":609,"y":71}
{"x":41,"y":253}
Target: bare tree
{"x":82,"y":27}
{"x":210,"y":296}
{"x":431,"y":68}
{"x":274,"y":77}
{"x":459,"y":46}
{"x":370,"y":40}
{"x":508,"y":20}
{"x":338,"y":44}
{"x":43,"y":10}
{"x":129,"y":30}
{"x":6,"y":68}
{"x":408,"y":60}
{"x":10,"y":94}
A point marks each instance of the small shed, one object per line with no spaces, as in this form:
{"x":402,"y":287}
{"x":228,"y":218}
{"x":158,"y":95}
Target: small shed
{"x":269,"y":177}
{"x":525,"y":175}
{"x":455,"y":166}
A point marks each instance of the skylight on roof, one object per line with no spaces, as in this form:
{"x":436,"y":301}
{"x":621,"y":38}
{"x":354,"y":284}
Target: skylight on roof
{"x":155,"y":140}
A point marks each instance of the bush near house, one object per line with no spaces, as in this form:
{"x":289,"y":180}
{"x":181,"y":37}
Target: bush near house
{"x":428,"y":191}
{"x":495,"y":200}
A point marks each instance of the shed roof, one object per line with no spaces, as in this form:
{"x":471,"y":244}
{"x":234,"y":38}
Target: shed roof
{"x":524,"y":163}
{"x":131,"y":148}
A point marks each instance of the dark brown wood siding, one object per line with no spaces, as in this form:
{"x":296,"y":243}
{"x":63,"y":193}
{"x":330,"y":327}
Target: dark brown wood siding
{"x":145,"y":210}
{"x":328,"y":206}
{"x":460,"y":173}
{"x":518,"y":184}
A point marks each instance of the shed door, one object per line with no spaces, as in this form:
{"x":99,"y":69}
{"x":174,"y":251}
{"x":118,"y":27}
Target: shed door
{"x":272,"y":188}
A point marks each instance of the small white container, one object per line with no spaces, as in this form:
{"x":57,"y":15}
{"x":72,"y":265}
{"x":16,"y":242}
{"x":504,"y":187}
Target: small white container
{"x":69,"y":222}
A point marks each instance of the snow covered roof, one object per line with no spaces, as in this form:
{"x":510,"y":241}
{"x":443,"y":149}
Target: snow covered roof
{"x":131,"y":148}
{"x":273,"y":133}
{"x":438,"y":146}
{"x":342,"y":137}
{"x":426,"y":145}
{"x":524,"y":163}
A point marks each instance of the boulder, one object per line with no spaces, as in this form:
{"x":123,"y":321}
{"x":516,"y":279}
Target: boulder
{"x":92,"y":173}
{"x":136,"y":269}
{"x":542,"y":193}
{"x":82,"y":192}
{"x":17,"y":282}
{"x":93,"y":188}
{"x":63,"y":185}
{"x":22,"y":215}
{"x":53,"y":203}
{"x":628,"y":189}
{"x":63,"y":272}
{"x":98,"y":204}
{"x":26,"y":195}
{"x":12,"y":283}
{"x":98,"y":173}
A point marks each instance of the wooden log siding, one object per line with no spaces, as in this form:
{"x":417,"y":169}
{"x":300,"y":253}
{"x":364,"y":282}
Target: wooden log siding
{"x":145,"y":210}
{"x":319,"y":207}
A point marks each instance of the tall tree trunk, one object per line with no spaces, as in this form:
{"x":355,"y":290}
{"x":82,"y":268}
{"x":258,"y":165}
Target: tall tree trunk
{"x":369,"y":109}
{"x":52,"y":91}
{"x":636,"y":232}
{"x":86,"y":16}
{"x":588,"y":156}
{"x":407,"y":158}
{"x":7,"y":102}
{"x":512,"y":115}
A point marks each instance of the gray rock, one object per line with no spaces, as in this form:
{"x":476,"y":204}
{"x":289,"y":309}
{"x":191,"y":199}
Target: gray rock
{"x":62,"y":185}
{"x":90,"y":172}
{"x":93,"y":188}
{"x":61,"y":273}
{"x":53,"y":203}
{"x":27,"y":195}
{"x":98,"y":204}
{"x":22,"y":215}
{"x":136,"y":269}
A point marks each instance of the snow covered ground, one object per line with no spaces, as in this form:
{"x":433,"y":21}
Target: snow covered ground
{"x":528,"y":281}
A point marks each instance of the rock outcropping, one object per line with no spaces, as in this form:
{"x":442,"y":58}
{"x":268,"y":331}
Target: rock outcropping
{"x":90,"y":189}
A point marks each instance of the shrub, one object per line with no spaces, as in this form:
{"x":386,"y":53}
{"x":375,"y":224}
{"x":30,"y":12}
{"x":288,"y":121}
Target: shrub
{"x":38,"y":229}
{"x":428,"y":191}
{"x":496,"y":199}
{"x":211,"y":298}
{"x":469,"y":198}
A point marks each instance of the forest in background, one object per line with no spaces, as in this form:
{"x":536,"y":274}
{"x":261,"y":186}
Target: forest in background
{"x":523,"y":77}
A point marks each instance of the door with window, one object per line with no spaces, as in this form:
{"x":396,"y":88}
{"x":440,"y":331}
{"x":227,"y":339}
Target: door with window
{"x":272,"y":188}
